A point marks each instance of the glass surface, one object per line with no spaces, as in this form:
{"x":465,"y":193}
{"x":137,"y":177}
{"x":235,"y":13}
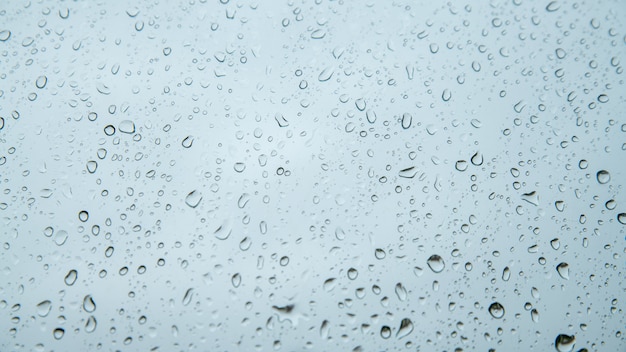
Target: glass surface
{"x":312,"y":175}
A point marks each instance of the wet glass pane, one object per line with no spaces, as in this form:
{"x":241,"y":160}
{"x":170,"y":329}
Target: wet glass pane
{"x":312,"y":175}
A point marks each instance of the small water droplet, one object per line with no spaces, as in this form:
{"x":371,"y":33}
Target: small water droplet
{"x":239,"y":167}
{"x":223,"y":231}
{"x":407,"y":120}
{"x":352,"y":274}
{"x":461,"y":165}
{"x":83,"y":215}
{"x":534,"y":315}
{"x":60,"y":238}
{"x":41,"y":82}
{"x":621,"y":217}
{"x":446,"y":95}
{"x":436,"y":263}
{"x":187,"y":297}
{"x":496,"y":310}
{"x":318,"y":34}
{"x":281,"y":120}
{"x":552,"y":6}
{"x":325,"y":329}
{"x":330,"y":284}
{"x":380,"y":254}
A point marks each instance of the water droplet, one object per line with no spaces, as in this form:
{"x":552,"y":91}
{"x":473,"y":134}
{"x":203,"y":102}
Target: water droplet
{"x":409,"y":172}
{"x":506,"y":274}
{"x":43,"y":308}
{"x":60,"y":237}
{"x":127,"y":126}
{"x":534,"y":315}
{"x":5,"y":35}
{"x":71,"y":277}
{"x":224,"y":231}
{"x":555,"y":244}
{"x":109,"y":130}
{"x":531,"y":197}
{"x":281,"y":120}
{"x":326,"y":74}
{"x":496,"y":310}
{"x":565,"y":343}
{"x":446,"y":95}
{"x":239,"y":167}
{"x":325,"y":329}
{"x":603,"y":177}
{"x":406,"y":327}
{"x":187,"y":297}
{"x":83,"y":215}
{"x":193,"y":198}
{"x":385,"y":332}
{"x":401,"y":292}
{"x":187,"y":142}
{"x":41,"y":82}
{"x":236,"y":280}
{"x":407,"y":120}
{"x":340,"y":234}
{"x":58,"y":333}
{"x":92,"y":166}
{"x":352,"y":274}
{"x":360,"y":104}
{"x":91,"y":324}
{"x":283,"y":261}
{"x":621,"y":217}
{"x":318,"y":34}
{"x":88,"y":304}
{"x":371,"y":116}
{"x":477,"y":159}
{"x":461,"y":165}
{"x":380,"y":254}
{"x":330,"y":284}
{"x":436,"y":263}
{"x":563,"y":270}
{"x":552,"y":6}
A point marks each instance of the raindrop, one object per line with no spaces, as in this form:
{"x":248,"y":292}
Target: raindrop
{"x":280,"y":119}
{"x":91,"y":324}
{"x":406,"y":327}
{"x":236,"y":280}
{"x":88,"y":304}
{"x":534,"y":315}
{"x":330,"y":284}
{"x":239,"y":167}
{"x":5,"y":35}
{"x":603,"y":177}
{"x":340,"y":234}
{"x":352,"y":274}
{"x":43,"y":308}
{"x":193,"y":198}
{"x":60,"y":237}
{"x":401,"y":292}
{"x":187,"y":142}
{"x":224,"y":231}
{"x":326,"y":74}
{"x":446,"y":95}
{"x":565,"y":343}
{"x":58,"y":333}
{"x":371,"y":116}
{"x":71,"y":277}
{"x":385,"y":332}
{"x":436,"y":263}
{"x":552,"y":6}
{"x":83,"y":216}
{"x":477,"y":159}
{"x":318,"y":34}
{"x":407,"y":119}
{"x":127,"y":126}
{"x":380,"y":254}
{"x":496,"y":310}
{"x":325,"y":329}
{"x":563,"y":270}
{"x":187,"y":297}
{"x":41,"y":82}
{"x":461,"y":165}
{"x":621,"y":217}
{"x":92,"y":166}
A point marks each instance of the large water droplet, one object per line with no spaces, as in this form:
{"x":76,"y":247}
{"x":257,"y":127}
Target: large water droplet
{"x":603,"y":177}
{"x":71,"y":277}
{"x":236,"y":280}
{"x":326,"y":74}
{"x":224,"y":231}
{"x":88,"y":304}
{"x":621,"y":217}
{"x":436,"y":263}
{"x":407,"y":120}
{"x":127,"y":126}
{"x":58,"y":333}
{"x":193,"y":198}
{"x":401,"y":292}
{"x":91,"y":324}
{"x":565,"y":343}
{"x":496,"y":310}
{"x":385,"y":332}
{"x":563,"y":270}
{"x":406,"y":327}
{"x":43,"y":308}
